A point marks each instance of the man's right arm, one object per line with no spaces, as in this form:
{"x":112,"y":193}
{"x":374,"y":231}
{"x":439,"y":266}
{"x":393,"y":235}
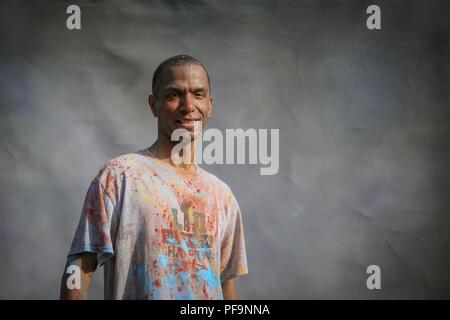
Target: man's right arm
{"x":77,"y":276}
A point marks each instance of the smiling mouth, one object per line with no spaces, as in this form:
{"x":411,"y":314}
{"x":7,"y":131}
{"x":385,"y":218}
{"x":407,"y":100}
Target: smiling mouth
{"x":187,"y":120}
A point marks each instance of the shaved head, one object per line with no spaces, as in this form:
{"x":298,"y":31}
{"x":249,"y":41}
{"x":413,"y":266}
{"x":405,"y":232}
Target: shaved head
{"x":175,"y":61}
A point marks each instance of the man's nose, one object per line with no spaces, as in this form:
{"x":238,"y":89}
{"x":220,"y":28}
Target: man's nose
{"x":188,"y":104}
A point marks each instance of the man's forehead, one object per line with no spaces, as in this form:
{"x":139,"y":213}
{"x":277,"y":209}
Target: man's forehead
{"x":183,"y":75}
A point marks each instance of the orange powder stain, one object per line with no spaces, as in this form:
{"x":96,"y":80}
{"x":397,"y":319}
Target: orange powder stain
{"x":205,"y":291}
{"x":157,"y":283}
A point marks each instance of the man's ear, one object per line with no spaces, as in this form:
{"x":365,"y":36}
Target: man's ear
{"x":152,"y":104}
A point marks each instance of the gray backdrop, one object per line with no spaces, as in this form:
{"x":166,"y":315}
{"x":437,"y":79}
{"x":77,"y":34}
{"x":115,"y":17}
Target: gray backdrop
{"x":364,"y":125}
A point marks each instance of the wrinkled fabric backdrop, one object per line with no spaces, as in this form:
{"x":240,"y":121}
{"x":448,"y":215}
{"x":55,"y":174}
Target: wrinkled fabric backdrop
{"x":364,"y":119}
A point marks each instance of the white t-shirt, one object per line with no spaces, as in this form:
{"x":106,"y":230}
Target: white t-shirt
{"x":159,"y":234}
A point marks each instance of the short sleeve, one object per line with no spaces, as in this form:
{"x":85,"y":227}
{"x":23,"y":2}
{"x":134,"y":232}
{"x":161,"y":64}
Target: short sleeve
{"x":233,"y":258}
{"x":96,"y":229}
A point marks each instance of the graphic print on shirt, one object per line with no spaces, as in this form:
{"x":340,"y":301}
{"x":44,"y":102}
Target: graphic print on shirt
{"x":187,"y":250}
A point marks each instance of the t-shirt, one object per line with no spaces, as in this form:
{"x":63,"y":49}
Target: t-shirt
{"x":159,"y":234}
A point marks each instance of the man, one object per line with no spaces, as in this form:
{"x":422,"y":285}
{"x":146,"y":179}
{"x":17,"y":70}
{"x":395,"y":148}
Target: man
{"x":161,"y":230}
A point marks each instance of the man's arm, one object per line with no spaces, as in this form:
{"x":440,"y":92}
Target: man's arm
{"x":85,"y":265}
{"x":229,"y":291}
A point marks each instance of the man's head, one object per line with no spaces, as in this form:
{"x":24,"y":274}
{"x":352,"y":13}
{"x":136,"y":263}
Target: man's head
{"x":180,"y":94}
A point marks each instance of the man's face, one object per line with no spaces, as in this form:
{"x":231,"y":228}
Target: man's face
{"x":183,"y":99}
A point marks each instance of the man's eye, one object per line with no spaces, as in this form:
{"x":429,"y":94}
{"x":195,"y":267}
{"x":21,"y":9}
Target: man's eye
{"x":172,"y":95}
{"x":200,"y":94}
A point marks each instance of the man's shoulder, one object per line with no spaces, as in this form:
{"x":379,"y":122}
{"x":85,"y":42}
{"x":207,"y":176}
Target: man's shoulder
{"x":125,"y":162}
{"x":226,"y":195}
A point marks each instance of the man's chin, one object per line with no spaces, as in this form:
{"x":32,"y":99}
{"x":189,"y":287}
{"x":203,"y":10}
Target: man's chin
{"x":188,"y":133}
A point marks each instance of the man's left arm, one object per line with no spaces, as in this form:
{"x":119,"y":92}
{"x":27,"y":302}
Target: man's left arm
{"x":229,"y":290}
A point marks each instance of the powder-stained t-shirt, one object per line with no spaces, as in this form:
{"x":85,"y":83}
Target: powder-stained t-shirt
{"x":159,"y":234}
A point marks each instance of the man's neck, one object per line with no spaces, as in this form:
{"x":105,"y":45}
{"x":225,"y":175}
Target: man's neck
{"x":162,"y":150}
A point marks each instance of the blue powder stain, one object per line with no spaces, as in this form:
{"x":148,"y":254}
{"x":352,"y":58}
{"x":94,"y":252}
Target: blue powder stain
{"x":164,"y":261}
{"x":186,"y":293}
{"x":184,"y":246}
{"x":212,"y":280}
{"x":170,"y":281}
{"x":141,"y":271}
{"x":104,"y":249}
{"x":185,"y":296}
{"x":184,"y":276}
{"x":143,"y":280}
{"x":172,"y":240}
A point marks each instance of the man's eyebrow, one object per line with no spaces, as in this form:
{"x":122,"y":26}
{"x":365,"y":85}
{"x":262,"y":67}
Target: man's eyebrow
{"x":171,"y":87}
{"x":175,"y":88}
{"x":200,"y":89}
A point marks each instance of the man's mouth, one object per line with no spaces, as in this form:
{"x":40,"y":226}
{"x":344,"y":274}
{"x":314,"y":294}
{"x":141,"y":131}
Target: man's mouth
{"x":188,"y":121}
